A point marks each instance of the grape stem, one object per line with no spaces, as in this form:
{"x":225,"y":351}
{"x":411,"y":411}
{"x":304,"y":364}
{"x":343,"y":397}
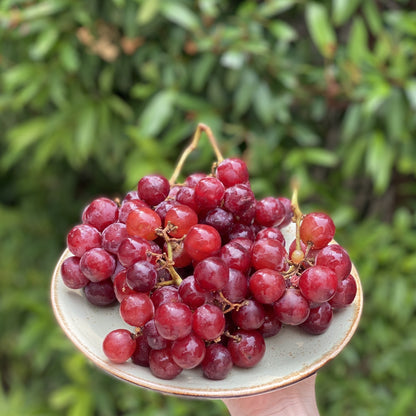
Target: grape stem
{"x":297,"y":213}
{"x":192,"y":146}
{"x":169,"y":264}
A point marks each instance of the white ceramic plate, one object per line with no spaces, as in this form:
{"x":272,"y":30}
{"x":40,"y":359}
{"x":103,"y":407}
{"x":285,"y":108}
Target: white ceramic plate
{"x":290,"y":356}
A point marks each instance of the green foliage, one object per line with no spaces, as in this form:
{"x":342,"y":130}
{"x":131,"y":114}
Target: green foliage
{"x":93,"y":95}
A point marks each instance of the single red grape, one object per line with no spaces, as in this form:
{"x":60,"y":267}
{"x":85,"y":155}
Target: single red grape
{"x":232,"y":171}
{"x":249,"y":316}
{"x":217,"y":363}
{"x":81,"y":238}
{"x":319,"y":319}
{"x":153,"y":189}
{"x":112,"y":236}
{"x":248,"y":350}
{"x":97,"y":264}
{"x":140,"y":355}
{"x":267,"y":285}
{"x":100,"y":213}
{"x":136,"y":309}
{"x":318,"y":283}
{"x":292,"y":308}
{"x":100,"y":293}
{"x":345,"y":293}
{"x":208,"y":322}
{"x":183,"y":218}
{"x":72,"y":275}
{"x":188,"y":352}
{"x":211,"y":274}
{"x":336,"y":258}
{"x":268,"y":254}
{"x":173,"y":320}
{"x":142,"y":223}
{"x":318,"y":229}
{"x":269,"y":212}
{"x":202,"y":241}
{"x":119,"y":345}
{"x":162,"y":365}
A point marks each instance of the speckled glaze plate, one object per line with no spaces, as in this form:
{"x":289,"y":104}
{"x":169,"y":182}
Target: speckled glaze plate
{"x":290,"y":356}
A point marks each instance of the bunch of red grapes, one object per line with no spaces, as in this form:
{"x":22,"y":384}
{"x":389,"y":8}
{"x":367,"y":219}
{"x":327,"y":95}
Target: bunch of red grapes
{"x":202,"y":273}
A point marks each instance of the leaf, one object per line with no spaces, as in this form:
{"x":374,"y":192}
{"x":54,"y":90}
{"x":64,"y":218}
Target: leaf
{"x":233,"y":59}
{"x":379,"y":160}
{"x":410,"y":90}
{"x":45,"y":42}
{"x":283,"y":31}
{"x":320,"y":29}
{"x":357,"y":46}
{"x":148,"y":11}
{"x":351,"y":123}
{"x":342,"y":10}
{"x":157,"y":113}
{"x":69,"y":57}
{"x":85,"y":132}
{"x":180,"y":14}
{"x":263,"y":103}
{"x":372,"y":16}
{"x":272,"y":7}
{"x":203,"y":70}
{"x":244,"y":94}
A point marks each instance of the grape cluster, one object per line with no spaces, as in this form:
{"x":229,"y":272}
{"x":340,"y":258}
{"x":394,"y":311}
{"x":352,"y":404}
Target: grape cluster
{"x":202,"y":273}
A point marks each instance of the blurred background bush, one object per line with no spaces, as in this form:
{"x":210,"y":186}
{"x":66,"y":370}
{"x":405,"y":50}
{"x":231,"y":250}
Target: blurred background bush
{"x":94,"y":94}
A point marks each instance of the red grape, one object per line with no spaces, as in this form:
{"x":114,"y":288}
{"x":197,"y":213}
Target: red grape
{"x":318,"y":229}
{"x":208,"y":322}
{"x":153,"y":189}
{"x":188,"y":352}
{"x":72,"y":275}
{"x":318,"y":284}
{"x":232,"y":171}
{"x":142,"y":223}
{"x":173,"y":320}
{"x":202,"y":241}
{"x":82,"y":238}
{"x":119,"y":345}
{"x":136,"y":309}
{"x":217,"y":362}
{"x":267,"y":285}
{"x":248,"y":350}
{"x":100,"y":213}
{"x":292,"y":308}
{"x":97,"y":264}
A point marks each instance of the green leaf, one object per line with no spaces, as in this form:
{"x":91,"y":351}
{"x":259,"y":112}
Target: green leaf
{"x":372,"y":16}
{"x":148,"y":11}
{"x":233,"y":59}
{"x":263,"y":103}
{"x":243,"y":96}
{"x":43,"y":9}
{"x":283,"y":31}
{"x":45,"y":42}
{"x":351,"y":123}
{"x":69,"y":57}
{"x":203,"y":70}
{"x":343,"y":9}
{"x":379,"y":159}
{"x":85,"y":132}
{"x":320,"y":29}
{"x":410,"y":90}
{"x":273,"y":7}
{"x":180,"y":14}
{"x":358,"y":42}
{"x":157,"y":113}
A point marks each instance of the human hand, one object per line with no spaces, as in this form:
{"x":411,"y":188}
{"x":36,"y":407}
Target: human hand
{"x":297,"y":399}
